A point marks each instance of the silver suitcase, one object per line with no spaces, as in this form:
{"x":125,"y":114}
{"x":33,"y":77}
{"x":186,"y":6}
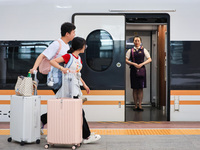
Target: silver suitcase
{"x":25,"y":119}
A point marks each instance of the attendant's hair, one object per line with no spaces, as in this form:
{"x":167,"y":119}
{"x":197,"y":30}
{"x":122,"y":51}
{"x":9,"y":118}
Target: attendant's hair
{"x":77,"y":44}
{"x":67,"y":27}
{"x":137,"y":37}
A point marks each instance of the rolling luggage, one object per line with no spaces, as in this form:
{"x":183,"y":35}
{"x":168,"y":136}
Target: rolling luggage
{"x":64,"y":117}
{"x":25,"y":119}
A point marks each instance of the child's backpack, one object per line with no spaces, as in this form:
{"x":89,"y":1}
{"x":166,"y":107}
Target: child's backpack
{"x":54,"y":78}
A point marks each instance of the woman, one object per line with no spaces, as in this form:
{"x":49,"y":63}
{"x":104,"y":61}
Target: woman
{"x":78,"y":46}
{"x":135,"y":58}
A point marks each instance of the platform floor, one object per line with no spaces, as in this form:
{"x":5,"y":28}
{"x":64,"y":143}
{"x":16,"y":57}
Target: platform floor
{"x":130,"y":135}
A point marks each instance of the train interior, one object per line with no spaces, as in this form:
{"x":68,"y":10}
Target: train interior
{"x":153,"y":32}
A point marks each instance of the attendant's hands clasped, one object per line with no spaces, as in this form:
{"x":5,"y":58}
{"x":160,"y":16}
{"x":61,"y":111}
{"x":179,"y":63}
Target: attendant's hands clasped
{"x":137,"y":65}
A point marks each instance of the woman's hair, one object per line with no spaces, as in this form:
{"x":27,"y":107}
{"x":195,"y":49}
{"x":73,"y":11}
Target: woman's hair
{"x":77,"y":44}
{"x":137,"y":37}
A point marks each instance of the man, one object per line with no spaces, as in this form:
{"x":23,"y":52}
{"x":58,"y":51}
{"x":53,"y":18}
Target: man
{"x":67,"y":34}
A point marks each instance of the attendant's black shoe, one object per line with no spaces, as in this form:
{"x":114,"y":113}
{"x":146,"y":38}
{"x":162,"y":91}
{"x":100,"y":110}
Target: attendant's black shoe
{"x":135,"y":109}
{"x":140,"y":109}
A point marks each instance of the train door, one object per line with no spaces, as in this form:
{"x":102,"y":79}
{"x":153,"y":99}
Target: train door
{"x":153,"y":29}
{"x":103,"y":64}
{"x":146,"y":41}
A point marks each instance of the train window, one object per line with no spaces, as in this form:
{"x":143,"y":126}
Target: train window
{"x":184,"y":67}
{"x":17,"y":58}
{"x":99,"y":52}
{"x":129,"y":43}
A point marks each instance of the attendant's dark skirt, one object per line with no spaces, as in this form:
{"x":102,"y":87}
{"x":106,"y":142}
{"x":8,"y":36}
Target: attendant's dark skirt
{"x":137,"y":82}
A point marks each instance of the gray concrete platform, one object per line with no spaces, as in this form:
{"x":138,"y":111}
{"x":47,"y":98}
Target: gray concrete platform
{"x":119,"y":142}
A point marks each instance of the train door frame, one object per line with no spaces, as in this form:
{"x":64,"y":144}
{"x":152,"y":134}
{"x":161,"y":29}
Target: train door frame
{"x":105,"y":80}
{"x":158,"y":17}
{"x":146,"y":15}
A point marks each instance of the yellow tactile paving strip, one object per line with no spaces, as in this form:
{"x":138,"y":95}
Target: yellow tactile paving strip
{"x":129,"y":122}
{"x":132,"y":131}
{"x":147,"y":131}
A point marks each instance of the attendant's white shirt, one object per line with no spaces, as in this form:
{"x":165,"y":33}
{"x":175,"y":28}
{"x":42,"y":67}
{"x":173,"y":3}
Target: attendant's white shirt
{"x":146,"y":53}
{"x":51,"y":51}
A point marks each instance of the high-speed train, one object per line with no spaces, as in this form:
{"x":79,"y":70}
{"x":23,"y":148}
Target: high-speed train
{"x":169,"y":30}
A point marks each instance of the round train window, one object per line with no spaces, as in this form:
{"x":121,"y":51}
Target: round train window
{"x":99,"y":53}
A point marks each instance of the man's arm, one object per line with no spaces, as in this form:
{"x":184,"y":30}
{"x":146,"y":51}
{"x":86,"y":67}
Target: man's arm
{"x":37,"y":62}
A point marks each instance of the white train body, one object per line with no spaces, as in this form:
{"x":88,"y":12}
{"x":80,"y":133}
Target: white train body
{"x":40,"y":20}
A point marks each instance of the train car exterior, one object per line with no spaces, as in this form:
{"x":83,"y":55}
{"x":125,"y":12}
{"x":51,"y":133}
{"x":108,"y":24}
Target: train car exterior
{"x":28,"y":26}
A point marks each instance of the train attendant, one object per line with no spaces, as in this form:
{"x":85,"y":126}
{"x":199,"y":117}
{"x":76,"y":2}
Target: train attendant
{"x":78,"y":46}
{"x":135,"y":58}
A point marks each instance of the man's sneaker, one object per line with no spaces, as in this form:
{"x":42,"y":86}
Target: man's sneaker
{"x":92,"y":138}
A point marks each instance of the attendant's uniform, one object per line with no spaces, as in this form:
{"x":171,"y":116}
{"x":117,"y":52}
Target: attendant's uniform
{"x":138,"y":54}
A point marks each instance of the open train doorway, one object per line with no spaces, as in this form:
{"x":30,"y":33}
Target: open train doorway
{"x":154,"y":32}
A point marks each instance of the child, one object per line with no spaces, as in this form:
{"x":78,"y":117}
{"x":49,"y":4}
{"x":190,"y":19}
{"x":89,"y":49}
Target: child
{"x":78,"y":46}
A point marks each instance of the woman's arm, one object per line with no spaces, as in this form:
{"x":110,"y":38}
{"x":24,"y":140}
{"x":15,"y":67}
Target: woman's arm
{"x":85,"y":86}
{"x":128,"y":53}
{"x":147,"y":55}
{"x":131,"y":63}
{"x":145,"y":62}
{"x":55,"y":63}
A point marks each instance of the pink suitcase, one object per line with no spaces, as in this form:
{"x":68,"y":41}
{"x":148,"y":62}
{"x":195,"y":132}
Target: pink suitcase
{"x":64,"y":122}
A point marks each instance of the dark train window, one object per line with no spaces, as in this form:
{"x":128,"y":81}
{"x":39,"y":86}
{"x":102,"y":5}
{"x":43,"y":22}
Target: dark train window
{"x":184,"y":67}
{"x":129,"y":43}
{"x":17,"y":58}
{"x":99,"y":52}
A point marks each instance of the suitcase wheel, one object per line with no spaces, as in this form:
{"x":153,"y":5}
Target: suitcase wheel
{"x":22,"y":143}
{"x":9,"y":139}
{"x":37,"y":141}
{"x":74,"y":147}
{"x":46,"y":146}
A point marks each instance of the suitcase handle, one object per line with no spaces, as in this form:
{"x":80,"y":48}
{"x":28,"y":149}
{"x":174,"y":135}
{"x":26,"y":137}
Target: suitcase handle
{"x":63,"y":82}
{"x":36,"y":80}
